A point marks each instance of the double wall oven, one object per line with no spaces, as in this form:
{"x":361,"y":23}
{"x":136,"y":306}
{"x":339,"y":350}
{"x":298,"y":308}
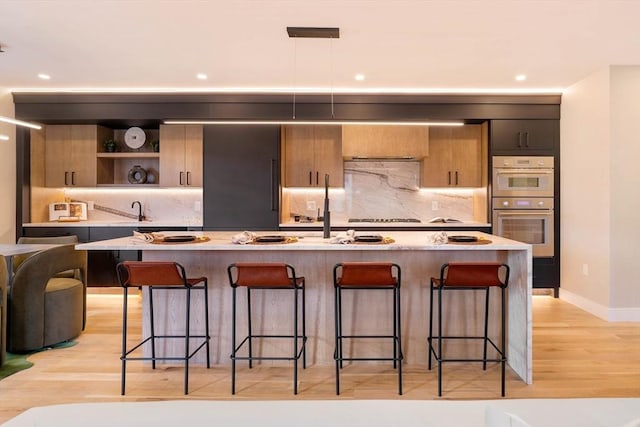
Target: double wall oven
{"x":523,"y":201}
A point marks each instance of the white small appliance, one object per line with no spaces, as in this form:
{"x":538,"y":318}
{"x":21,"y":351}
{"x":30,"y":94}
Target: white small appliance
{"x":67,"y":211}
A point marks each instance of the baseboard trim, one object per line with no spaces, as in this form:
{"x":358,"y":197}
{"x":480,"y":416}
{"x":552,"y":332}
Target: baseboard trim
{"x":630,"y":314}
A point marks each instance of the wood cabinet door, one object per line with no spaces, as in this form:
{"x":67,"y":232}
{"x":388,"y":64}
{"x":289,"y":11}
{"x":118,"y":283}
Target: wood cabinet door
{"x":385,"y":141}
{"x":299,"y":158}
{"x":455,"y":157}
{"x":328,"y":155}
{"x":193,"y":155}
{"x":466,"y":146}
{"x":172,"y":154}
{"x":57,"y":155}
{"x":83,"y":161}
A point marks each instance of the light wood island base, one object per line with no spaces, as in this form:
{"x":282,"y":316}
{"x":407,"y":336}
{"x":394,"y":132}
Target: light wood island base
{"x":314,"y":258}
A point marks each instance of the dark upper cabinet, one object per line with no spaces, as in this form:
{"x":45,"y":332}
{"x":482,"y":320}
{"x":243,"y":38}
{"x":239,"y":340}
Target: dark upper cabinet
{"x":241,"y":188}
{"x":525,"y":137}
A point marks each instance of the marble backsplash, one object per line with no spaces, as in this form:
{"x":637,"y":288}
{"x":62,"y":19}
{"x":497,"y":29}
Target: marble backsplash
{"x":182,"y":206}
{"x":385,"y":189}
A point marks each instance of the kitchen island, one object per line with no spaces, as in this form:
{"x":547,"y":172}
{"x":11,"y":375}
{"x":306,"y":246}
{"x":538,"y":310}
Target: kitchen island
{"x":314,"y":257}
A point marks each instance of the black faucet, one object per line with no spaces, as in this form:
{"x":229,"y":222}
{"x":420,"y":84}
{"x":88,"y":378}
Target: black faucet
{"x":140,"y":216}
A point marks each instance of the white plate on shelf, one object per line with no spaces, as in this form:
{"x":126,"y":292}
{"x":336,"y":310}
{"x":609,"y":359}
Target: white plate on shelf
{"x":134,"y":137}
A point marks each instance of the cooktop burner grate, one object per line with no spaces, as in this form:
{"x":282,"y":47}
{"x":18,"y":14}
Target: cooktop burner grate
{"x":384,"y":220}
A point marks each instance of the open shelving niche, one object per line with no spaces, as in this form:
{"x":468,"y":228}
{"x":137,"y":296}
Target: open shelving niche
{"x":113,"y":167}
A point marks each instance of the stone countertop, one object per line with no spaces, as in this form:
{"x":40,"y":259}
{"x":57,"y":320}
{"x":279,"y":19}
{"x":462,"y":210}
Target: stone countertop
{"x":384,"y":225}
{"x":111,"y":223}
{"x":310,"y":241}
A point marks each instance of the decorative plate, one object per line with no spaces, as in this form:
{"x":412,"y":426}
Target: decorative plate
{"x":460,"y":239}
{"x":134,"y":137}
{"x":270,"y":239}
{"x":177,"y":239}
{"x":369,"y":239}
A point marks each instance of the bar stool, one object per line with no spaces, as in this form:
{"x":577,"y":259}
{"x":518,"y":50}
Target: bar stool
{"x":358,"y":276}
{"x":166,"y":276}
{"x":268,"y":276}
{"x":464,"y":276}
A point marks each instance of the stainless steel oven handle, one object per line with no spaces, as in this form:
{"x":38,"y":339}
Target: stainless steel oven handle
{"x":545,"y":212}
{"x":528,"y":172}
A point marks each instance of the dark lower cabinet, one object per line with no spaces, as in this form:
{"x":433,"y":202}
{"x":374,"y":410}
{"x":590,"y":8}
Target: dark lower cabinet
{"x":241,"y":177}
{"x":524,"y":137}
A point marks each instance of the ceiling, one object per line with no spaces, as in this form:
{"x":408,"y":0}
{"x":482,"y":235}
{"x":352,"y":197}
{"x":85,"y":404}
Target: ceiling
{"x":438,"y":45}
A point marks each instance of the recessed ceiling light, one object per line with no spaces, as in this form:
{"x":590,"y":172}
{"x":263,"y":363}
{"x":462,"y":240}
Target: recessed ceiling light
{"x":4,"y":138}
{"x":201,"y":76}
{"x":359,"y":77}
{"x":521,"y":77}
{"x":44,"y":76}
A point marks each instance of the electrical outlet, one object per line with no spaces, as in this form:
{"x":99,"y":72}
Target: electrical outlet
{"x":585,"y":269}
{"x":311,"y":205}
{"x":435,"y":205}
{"x":197,"y":206}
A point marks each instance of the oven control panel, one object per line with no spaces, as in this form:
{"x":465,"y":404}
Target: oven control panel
{"x":523,"y":203}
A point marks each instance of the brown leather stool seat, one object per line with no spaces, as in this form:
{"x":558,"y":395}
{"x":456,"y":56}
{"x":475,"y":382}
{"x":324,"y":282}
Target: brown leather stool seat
{"x":359,"y":276}
{"x":469,"y":276}
{"x":169,"y":277}
{"x":268,"y":276}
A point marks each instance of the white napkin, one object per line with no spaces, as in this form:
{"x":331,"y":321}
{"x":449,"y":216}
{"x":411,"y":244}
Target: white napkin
{"x":439,"y":238}
{"x":142,"y":237}
{"x":344,"y":238}
{"x":243,"y":238}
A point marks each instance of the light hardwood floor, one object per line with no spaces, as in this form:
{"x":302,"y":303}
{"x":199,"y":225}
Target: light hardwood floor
{"x":575,"y":355}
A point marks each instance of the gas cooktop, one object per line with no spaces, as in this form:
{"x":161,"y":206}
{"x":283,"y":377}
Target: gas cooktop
{"x":384,"y":220}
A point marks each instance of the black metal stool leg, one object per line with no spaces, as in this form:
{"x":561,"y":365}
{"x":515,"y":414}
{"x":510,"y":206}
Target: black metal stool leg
{"x":249,"y":328}
{"x":124,"y":342}
{"x":486,"y":330}
{"x":206,"y":322}
{"x":337,"y":350}
{"x":430,"y":338}
{"x":295,"y":340}
{"x":398,"y":333}
{"x":304,"y":328}
{"x":186,"y":342}
{"x":439,"y":353}
{"x":152,"y":328}
{"x":503,"y":344}
{"x":233,"y":342}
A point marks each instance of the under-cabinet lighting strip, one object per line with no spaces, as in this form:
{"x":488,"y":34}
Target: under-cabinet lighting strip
{"x":19,"y":123}
{"x":310,"y":122}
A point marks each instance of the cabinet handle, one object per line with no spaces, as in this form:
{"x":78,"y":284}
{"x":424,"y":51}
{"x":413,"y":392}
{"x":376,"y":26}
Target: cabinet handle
{"x":526,"y":139}
{"x":66,"y":178}
{"x":456,"y":177}
{"x":310,"y":181}
{"x":181,"y":178}
{"x":317,"y":178}
{"x":449,"y":178}
{"x":188,"y":178}
{"x":73,"y":178}
{"x":274,"y":184}
{"x":519,"y":139}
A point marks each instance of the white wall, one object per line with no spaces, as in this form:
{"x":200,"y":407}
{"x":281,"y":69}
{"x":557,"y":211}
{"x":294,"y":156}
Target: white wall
{"x":599,"y":193}
{"x":625,"y":189}
{"x":7,"y":172}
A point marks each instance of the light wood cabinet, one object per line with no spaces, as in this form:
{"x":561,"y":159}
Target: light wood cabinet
{"x":310,"y":152}
{"x":455,"y":157}
{"x":181,"y":155}
{"x":385,"y":141}
{"x":70,"y":154}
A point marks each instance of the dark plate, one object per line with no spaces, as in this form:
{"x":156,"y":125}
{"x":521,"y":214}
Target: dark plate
{"x":177,"y":239}
{"x":270,"y":239}
{"x":369,"y":239}
{"x":462,"y":239}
